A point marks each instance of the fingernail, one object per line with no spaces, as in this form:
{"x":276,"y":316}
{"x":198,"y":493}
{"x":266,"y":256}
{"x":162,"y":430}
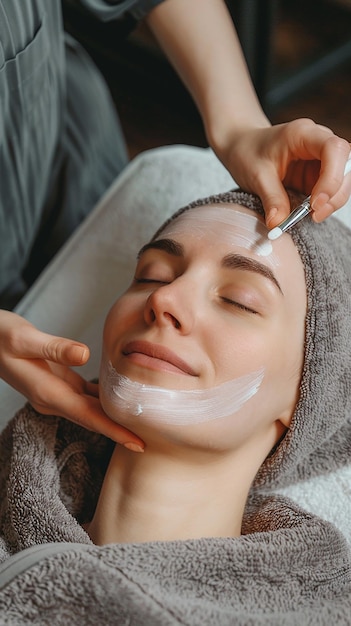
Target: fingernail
{"x":79,"y":353}
{"x":321,"y":214}
{"x":83,"y":354}
{"x":320,"y":201}
{"x":134,"y":447}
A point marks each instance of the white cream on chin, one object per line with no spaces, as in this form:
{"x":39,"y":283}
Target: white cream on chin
{"x":172,"y":406}
{"x":250,"y":233}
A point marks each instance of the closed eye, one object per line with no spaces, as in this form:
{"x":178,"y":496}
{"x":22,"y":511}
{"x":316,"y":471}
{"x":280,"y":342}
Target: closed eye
{"x":140,"y":281}
{"x":239,"y":305}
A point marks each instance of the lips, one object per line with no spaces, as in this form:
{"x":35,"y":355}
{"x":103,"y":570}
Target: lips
{"x":158,"y":353}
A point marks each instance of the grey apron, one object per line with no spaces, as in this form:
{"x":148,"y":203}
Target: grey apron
{"x":60,"y":140}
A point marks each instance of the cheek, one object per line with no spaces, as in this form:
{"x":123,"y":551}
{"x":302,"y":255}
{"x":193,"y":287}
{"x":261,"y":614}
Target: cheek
{"x":282,"y":360}
{"x":279,"y":392}
{"x":126,"y":312}
{"x":287,"y":358}
{"x":239,"y":351}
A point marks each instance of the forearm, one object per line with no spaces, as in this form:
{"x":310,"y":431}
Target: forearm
{"x":199,"y":38}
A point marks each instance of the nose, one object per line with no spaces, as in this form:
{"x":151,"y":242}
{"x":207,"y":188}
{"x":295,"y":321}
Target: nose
{"x":171,"y":305}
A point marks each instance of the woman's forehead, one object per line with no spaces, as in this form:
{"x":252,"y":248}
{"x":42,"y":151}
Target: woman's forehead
{"x":224,"y":224}
{"x":228,"y":227}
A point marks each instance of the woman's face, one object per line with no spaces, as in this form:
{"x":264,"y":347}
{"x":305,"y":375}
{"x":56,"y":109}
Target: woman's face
{"x":214,"y":306}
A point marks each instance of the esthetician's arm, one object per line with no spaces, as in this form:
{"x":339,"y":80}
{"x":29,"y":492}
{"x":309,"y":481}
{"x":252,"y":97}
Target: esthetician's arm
{"x":199,"y":38}
{"x":38,"y":366}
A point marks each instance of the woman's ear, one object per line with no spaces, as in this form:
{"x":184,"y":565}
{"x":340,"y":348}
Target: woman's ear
{"x":286,"y":417}
{"x":290,"y":401}
{"x":282,"y":423}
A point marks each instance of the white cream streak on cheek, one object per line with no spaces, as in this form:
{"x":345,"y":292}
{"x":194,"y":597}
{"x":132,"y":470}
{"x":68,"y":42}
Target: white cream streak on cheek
{"x":171,"y":406}
{"x":249,"y":232}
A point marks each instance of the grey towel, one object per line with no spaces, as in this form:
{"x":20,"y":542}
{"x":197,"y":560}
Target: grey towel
{"x":289,"y":567}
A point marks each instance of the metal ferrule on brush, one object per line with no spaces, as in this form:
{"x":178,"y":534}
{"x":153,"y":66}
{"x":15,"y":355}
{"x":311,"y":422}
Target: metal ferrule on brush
{"x":295,"y":216}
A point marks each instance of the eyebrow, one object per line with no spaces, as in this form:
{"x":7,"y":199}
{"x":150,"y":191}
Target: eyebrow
{"x":237,"y":261}
{"x":167,"y":245}
{"x":230,"y":261}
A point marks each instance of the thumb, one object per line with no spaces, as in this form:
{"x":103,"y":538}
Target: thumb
{"x":31,"y":343}
{"x":275,"y":202}
{"x":65,"y":351}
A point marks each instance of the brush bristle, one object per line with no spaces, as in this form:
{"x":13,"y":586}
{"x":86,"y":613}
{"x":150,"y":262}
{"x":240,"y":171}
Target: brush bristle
{"x":274,"y":233}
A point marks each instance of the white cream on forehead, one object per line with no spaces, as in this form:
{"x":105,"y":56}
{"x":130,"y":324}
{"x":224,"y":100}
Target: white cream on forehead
{"x":246,"y":231}
{"x":158,"y":405}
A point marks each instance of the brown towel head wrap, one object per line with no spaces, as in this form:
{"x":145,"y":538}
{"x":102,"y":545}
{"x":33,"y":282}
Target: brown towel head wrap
{"x":319,"y":438}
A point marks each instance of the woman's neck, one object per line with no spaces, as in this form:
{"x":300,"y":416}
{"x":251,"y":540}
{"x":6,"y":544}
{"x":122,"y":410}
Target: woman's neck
{"x":167,"y":494}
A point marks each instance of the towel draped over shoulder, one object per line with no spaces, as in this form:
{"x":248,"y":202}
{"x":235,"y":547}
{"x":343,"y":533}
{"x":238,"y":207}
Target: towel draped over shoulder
{"x":288,"y":567}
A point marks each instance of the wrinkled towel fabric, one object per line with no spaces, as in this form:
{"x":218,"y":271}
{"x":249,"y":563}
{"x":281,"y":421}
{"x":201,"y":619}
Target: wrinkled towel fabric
{"x":289,"y":567}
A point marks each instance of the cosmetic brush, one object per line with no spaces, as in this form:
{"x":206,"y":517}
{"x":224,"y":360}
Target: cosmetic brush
{"x":299,"y":213}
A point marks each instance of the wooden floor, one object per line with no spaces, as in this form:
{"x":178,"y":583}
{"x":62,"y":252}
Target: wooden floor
{"x":155,"y":109}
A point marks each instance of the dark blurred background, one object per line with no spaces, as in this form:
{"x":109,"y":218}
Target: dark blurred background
{"x":298,"y":52}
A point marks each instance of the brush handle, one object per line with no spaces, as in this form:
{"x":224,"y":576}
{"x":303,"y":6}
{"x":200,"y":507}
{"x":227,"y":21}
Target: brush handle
{"x":300,"y":212}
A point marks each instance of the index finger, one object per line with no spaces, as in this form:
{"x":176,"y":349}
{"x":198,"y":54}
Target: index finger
{"x":86,"y":411}
{"x":52,"y":395}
